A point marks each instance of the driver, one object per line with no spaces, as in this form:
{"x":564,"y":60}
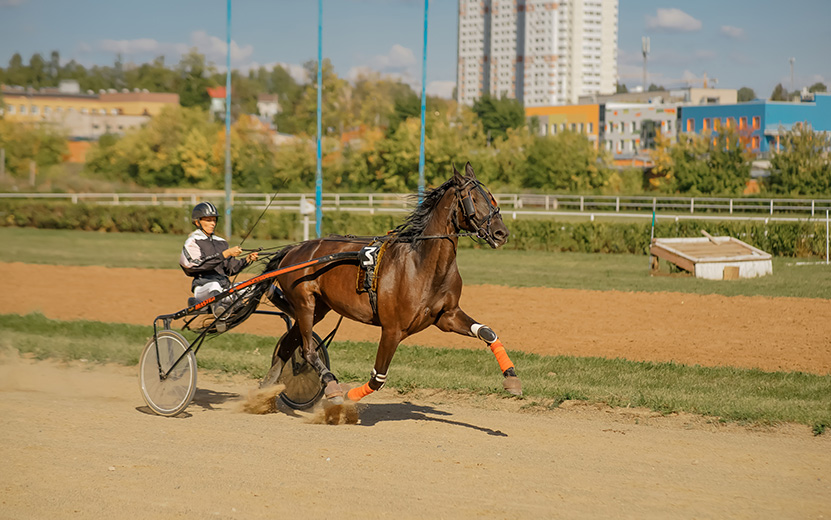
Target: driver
{"x":208,"y":259}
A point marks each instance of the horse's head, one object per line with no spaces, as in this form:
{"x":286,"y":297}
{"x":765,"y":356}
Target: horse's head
{"x":477,"y":210}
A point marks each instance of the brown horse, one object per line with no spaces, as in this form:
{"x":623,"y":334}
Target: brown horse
{"x":418,"y":282}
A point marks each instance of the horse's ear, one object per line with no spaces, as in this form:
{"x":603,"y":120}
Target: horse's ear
{"x":458,"y":179}
{"x":469,"y":171}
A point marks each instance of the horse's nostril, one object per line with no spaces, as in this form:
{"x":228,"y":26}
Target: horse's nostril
{"x":500,"y":234}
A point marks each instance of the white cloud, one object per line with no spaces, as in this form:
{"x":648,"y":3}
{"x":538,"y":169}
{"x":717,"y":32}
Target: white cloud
{"x":736,"y":33}
{"x":212,"y":47}
{"x":673,"y":20}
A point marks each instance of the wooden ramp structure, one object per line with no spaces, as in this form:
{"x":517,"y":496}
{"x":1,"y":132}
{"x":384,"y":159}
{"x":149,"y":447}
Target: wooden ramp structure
{"x":712,"y":258}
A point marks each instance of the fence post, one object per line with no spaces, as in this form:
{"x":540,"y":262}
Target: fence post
{"x":617,"y":204}
{"x":771,"y":206}
{"x":812,"y":208}
{"x":692,"y":205}
{"x":731,"y":206}
{"x":581,"y":203}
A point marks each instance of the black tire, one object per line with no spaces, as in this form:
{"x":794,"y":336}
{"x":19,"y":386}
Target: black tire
{"x":303,"y":386}
{"x":171,"y":395}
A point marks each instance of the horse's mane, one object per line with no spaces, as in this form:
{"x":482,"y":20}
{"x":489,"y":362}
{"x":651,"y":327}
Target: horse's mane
{"x":415,"y":223}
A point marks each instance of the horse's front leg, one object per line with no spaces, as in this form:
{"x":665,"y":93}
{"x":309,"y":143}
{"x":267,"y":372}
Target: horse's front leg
{"x":386,"y":350}
{"x":460,"y":323}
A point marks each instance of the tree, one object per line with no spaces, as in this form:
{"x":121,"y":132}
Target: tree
{"x":654,"y":88}
{"x":498,"y":115}
{"x":703,"y":164}
{"x":802,"y":166}
{"x":193,"y":80}
{"x":746,"y":94}
{"x":565,"y":162}
{"x":620,"y":88}
{"x":779,"y":93}
{"x":818,"y":87}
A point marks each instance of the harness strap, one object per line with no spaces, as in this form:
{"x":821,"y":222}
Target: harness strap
{"x":369,"y":260}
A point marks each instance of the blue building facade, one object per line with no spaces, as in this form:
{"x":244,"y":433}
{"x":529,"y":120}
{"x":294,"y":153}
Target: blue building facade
{"x":761,"y":122}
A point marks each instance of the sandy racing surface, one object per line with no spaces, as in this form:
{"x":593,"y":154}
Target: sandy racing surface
{"x":77,"y":441}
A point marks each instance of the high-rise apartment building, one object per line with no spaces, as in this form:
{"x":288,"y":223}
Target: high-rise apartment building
{"x":537,"y":51}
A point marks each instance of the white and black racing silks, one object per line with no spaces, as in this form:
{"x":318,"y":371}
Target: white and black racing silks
{"x":202,"y":260}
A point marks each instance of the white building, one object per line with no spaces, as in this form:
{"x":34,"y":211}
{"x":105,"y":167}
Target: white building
{"x":537,"y":51}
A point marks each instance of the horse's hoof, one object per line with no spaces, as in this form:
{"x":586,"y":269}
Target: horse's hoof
{"x":333,"y":392}
{"x":512,"y":385}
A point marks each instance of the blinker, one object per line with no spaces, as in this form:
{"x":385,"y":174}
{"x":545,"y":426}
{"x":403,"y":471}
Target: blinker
{"x":467,"y":203}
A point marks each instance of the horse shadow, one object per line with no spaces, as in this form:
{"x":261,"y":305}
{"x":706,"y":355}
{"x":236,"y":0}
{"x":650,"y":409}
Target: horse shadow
{"x":408,"y":411}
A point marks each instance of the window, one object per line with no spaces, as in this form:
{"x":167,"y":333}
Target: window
{"x":590,"y":128}
{"x":608,"y":145}
{"x":754,"y":141}
{"x":114,"y":111}
{"x":756,"y":122}
{"x":619,"y":146}
{"x":690,"y":125}
{"x":705,"y":125}
{"x":83,"y":110}
{"x":34,"y":109}
{"x":633,"y":127}
{"x":580,"y":127}
{"x":47,"y":110}
{"x":730,"y":122}
{"x":22,"y":109}
{"x":11,"y":109}
{"x":553,"y":129}
{"x":716,"y":123}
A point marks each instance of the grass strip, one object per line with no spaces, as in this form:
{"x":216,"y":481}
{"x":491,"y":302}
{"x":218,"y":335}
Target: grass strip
{"x":730,"y":394}
{"x":621,"y":272}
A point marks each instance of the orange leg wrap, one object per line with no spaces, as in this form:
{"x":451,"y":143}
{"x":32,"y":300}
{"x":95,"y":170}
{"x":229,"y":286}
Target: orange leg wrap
{"x":356,"y":394}
{"x":501,"y":356}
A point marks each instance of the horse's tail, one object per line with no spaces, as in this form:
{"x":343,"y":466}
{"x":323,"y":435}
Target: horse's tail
{"x":276,"y":258}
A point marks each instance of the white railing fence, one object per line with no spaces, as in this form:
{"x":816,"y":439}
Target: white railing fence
{"x":512,"y":204}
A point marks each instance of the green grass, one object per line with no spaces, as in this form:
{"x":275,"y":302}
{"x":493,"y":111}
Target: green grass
{"x":478,"y":266}
{"x":728,"y":394}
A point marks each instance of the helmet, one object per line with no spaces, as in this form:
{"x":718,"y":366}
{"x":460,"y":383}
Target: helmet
{"x":204,"y":209}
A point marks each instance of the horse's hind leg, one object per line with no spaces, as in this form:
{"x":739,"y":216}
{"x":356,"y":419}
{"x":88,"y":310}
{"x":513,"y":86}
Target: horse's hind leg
{"x":306,"y":317}
{"x":459,"y":322}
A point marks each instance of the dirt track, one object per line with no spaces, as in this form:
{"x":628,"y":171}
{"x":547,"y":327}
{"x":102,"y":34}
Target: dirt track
{"x":752,"y":332}
{"x":77,"y":441}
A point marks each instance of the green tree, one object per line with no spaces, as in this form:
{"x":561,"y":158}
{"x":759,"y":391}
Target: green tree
{"x":746,"y":94}
{"x":818,"y":87}
{"x":193,"y":81}
{"x":654,"y":88}
{"x":802,"y":166}
{"x":25,"y":143}
{"x":709,"y":164}
{"x":620,"y":88}
{"x":498,"y":115}
{"x":567,"y":161}
{"x":779,"y":93}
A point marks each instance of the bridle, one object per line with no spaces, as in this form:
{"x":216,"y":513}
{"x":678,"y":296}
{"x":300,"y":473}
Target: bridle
{"x":481,"y":226}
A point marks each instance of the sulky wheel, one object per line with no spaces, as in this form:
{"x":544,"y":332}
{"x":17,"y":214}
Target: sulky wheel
{"x":171,"y":394}
{"x":303,"y":387}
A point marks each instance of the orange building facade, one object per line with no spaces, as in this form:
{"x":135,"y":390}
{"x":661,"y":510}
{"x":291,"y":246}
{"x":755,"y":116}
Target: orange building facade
{"x":583,"y":119}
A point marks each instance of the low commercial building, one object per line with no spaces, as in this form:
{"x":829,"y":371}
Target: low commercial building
{"x":760,"y":122}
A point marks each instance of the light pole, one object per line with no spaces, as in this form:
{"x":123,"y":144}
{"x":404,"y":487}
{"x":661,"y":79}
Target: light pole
{"x":792,"y":60}
{"x":645,"y":50}
{"x":423,"y":108}
{"x":319,"y":173}
{"x":228,"y":128}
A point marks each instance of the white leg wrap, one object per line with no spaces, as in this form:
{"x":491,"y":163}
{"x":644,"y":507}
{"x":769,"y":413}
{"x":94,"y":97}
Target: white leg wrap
{"x":483,"y":332}
{"x":380,"y":378}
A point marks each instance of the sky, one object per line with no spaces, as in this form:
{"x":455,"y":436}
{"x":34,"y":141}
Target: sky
{"x":738,"y":43}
